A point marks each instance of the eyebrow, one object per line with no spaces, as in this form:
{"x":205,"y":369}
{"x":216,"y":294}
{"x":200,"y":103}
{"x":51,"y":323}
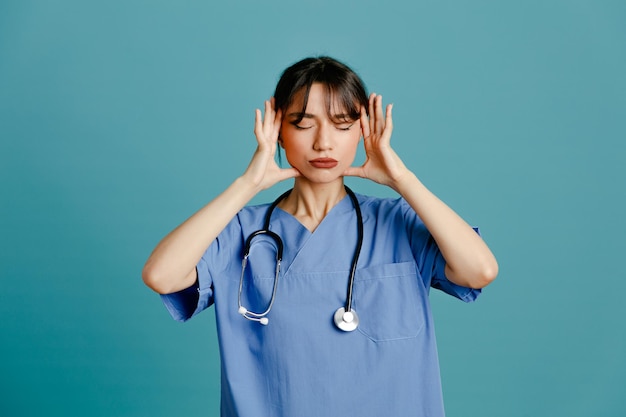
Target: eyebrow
{"x":300,"y":115}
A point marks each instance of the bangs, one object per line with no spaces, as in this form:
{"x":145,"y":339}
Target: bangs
{"x":341,"y":105}
{"x":345,"y":92}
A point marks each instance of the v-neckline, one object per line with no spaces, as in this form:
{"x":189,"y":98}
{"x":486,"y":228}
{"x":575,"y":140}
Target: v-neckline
{"x":335,"y":208}
{"x":300,"y":236}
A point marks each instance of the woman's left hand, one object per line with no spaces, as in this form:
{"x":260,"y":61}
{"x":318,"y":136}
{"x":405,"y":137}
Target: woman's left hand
{"x":382,"y":164}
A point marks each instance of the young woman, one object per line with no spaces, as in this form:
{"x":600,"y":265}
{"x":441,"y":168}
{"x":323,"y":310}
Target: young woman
{"x":328,"y":314}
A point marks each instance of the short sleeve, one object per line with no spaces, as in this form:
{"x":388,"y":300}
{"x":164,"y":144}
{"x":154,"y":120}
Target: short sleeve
{"x":434,"y":259}
{"x":183,"y":305}
{"x":430,"y":261}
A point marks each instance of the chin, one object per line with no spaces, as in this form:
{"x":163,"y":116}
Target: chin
{"x":321,"y":177}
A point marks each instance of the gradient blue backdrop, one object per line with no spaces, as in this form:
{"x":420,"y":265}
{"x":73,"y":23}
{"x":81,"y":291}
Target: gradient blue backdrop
{"x":119,"y":119}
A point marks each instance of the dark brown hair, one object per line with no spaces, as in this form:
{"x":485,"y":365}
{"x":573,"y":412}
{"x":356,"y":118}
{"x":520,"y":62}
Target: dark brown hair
{"x":341,"y":83}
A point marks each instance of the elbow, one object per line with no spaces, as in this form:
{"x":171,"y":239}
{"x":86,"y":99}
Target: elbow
{"x":476,"y":276}
{"x":153,"y":278}
{"x":486,"y":275}
{"x":162,"y":280}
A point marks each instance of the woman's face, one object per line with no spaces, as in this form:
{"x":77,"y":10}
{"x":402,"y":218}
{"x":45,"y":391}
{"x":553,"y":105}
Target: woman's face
{"x":320,"y":148}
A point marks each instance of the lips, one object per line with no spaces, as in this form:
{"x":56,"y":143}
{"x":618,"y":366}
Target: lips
{"x":324,"y":163}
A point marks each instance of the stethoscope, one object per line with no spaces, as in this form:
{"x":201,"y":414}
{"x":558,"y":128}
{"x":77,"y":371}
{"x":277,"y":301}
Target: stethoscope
{"x":345,"y":317}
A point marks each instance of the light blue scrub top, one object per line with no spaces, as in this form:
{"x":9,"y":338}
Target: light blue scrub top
{"x":300,"y":364}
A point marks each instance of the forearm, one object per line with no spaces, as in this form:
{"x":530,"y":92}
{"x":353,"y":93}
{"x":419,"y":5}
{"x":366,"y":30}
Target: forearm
{"x":469,"y":262}
{"x":171,"y":266}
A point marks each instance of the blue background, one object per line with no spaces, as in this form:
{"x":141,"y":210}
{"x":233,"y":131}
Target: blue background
{"x":120,"y":119}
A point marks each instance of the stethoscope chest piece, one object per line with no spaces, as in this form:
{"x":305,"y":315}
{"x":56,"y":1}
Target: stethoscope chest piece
{"x":346,"y":320}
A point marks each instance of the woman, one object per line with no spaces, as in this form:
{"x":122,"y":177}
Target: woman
{"x":329,"y":346}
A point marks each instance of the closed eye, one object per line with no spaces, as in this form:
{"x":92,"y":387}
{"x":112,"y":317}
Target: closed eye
{"x":344,"y":126}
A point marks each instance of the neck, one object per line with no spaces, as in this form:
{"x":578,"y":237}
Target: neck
{"x":310,"y":203}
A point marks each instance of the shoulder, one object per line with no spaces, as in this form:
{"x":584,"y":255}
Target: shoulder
{"x":253,"y":214}
{"x":387,"y":206}
{"x":390,"y":213}
{"x":255,"y":209}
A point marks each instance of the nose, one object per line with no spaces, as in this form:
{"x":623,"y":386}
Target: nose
{"x":323,"y":139}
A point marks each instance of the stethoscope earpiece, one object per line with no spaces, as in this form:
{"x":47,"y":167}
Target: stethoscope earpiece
{"x":251,"y":316}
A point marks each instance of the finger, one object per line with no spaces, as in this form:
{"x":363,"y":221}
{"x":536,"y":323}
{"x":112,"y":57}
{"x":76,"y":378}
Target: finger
{"x":354,"y":172}
{"x":289,"y":173}
{"x":272,"y":109}
{"x":365,"y":123}
{"x":278,"y":119}
{"x":388,"y":123}
{"x":258,"y":125}
{"x":380,"y":118}
{"x":269,"y":116}
{"x":372,"y":115}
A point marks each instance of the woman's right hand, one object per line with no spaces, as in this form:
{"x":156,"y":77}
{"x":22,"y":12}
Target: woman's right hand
{"x":263,"y":171}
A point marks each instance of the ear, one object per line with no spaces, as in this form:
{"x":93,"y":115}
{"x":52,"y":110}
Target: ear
{"x":280,"y":141}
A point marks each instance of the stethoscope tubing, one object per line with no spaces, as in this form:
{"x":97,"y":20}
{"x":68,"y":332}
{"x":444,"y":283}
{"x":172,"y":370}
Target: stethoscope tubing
{"x":357,"y":250}
{"x":345,"y":318}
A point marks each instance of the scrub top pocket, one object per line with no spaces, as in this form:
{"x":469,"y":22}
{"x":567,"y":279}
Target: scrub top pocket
{"x":389,"y":300}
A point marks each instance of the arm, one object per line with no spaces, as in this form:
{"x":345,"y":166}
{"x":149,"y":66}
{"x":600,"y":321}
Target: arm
{"x":469,"y":262}
{"x":171,"y":266}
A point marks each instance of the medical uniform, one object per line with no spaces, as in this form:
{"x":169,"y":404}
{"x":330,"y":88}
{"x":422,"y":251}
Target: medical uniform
{"x":300,"y":364}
